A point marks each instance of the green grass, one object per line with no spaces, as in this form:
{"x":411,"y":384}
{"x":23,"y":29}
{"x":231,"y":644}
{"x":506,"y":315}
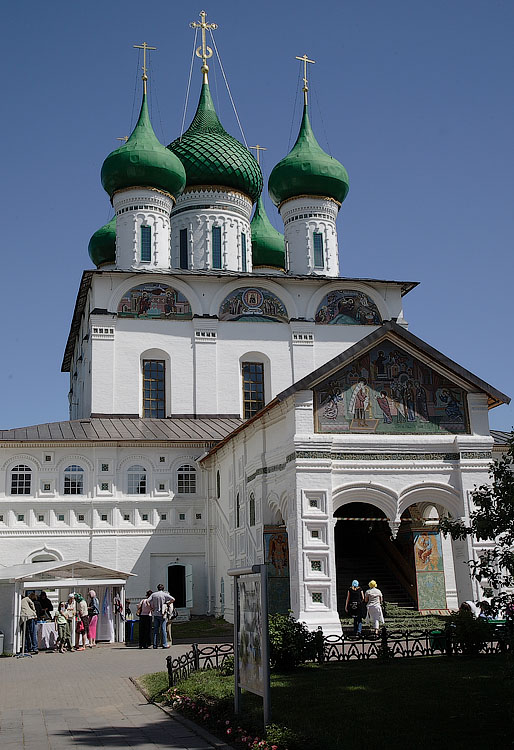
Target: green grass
{"x":431,"y":702}
{"x":202,"y":628}
{"x":154,"y":685}
{"x":399,"y":618}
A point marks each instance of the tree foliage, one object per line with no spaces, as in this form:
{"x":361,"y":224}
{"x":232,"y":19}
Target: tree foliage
{"x":492,"y":520}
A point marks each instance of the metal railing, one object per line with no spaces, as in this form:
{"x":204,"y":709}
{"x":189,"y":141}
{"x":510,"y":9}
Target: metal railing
{"x":393,"y":644}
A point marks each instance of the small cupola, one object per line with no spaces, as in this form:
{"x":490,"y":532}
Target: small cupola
{"x":102,"y":245}
{"x":268,"y":249}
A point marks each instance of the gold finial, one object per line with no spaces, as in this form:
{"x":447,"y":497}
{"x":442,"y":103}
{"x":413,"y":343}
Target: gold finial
{"x":258,"y":149}
{"x":123,"y":138}
{"x":305,"y":82}
{"x":204,"y":52}
{"x":144,"y":47}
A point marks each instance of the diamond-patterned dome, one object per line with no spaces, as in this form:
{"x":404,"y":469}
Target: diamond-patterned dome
{"x":213,"y":157}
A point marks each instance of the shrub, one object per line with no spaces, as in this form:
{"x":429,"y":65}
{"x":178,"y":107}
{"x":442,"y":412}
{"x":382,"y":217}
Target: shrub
{"x":291,"y":643}
{"x":468,"y":632}
{"x":227,"y":668}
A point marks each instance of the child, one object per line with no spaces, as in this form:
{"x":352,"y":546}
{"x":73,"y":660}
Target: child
{"x":63,"y":628}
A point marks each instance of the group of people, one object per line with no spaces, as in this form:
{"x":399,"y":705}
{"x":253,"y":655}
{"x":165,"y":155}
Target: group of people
{"x":75,"y":612}
{"x":365,"y":605}
{"x":156,"y":606}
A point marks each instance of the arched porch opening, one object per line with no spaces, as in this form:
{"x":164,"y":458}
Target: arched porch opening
{"x":365,"y":549}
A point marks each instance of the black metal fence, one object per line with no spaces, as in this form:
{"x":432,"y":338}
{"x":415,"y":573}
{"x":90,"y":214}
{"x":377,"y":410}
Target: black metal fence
{"x":208,"y":657}
{"x":390,"y":644}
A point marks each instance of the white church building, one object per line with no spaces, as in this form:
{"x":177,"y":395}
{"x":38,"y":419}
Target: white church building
{"x":234,"y":400}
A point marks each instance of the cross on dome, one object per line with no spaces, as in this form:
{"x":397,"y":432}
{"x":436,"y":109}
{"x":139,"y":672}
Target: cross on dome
{"x":204,"y":52}
{"x":305,"y":89}
{"x":144,"y":47}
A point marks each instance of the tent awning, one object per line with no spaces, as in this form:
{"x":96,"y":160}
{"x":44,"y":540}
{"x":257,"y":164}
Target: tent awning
{"x":69,"y":571}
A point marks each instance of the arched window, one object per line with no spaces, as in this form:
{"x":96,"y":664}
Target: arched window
{"x":137,"y":480}
{"x":21,"y":478}
{"x":73,"y":480}
{"x":154,"y":388}
{"x":238,"y":511}
{"x":251,"y":509}
{"x":218,"y":485}
{"x":186,"y":479}
{"x":253,"y":388}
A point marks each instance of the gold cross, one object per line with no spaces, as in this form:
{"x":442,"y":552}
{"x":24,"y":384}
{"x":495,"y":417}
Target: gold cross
{"x":258,"y":148}
{"x":144,"y":47}
{"x":204,"y":52}
{"x":123,"y":138}
{"x":305,"y":82}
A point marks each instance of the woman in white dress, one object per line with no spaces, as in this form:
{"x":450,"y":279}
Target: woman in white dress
{"x":374,"y":599}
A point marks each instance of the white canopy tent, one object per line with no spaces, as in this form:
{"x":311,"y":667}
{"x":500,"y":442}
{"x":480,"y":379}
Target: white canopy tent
{"x":66,"y":576}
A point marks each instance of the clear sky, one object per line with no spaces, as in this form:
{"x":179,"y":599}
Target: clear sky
{"x":415,"y":98}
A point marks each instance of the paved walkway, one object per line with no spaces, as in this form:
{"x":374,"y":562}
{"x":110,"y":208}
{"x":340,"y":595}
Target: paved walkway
{"x":85,"y":699}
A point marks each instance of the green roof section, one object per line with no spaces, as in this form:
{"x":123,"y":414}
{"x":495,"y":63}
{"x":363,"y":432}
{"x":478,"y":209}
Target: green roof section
{"x":268,"y":247}
{"x":102,"y":245}
{"x":143,"y":162}
{"x":308,"y":170}
{"x":213,"y":157}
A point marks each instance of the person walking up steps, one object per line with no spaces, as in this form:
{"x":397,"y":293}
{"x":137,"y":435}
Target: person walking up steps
{"x":374,"y":599}
{"x":354,"y":606}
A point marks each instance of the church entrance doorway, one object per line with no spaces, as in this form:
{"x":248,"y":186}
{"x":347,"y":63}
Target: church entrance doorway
{"x":365,"y":550}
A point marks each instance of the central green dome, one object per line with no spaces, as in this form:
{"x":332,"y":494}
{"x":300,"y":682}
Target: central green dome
{"x":268,"y":247}
{"x":143,"y":162}
{"x":213,"y":157}
{"x":308,"y":170}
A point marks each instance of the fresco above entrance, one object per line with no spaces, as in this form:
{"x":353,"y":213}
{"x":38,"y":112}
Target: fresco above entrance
{"x":253,"y":304}
{"x":348,"y":307}
{"x":156,"y":301}
{"x":387,"y":390}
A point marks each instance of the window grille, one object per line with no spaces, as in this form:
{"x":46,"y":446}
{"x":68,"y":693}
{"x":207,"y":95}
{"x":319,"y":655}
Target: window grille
{"x":146,"y":243}
{"x":73,"y":480}
{"x":186,"y":479}
{"x":183,"y":261}
{"x":253,"y":388}
{"x":216,"y":247}
{"x":243,"y":252}
{"x":319,"y":261}
{"x":154,"y":388}
{"x":137,"y":480}
{"x":21,"y":477}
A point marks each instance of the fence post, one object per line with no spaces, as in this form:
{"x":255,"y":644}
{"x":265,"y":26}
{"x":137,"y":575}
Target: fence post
{"x":171,"y":681}
{"x":196,"y":656}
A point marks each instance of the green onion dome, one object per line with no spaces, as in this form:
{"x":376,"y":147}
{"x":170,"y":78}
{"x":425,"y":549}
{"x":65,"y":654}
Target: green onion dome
{"x":267,"y":243}
{"x":308,"y":170}
{"x":102,"y":245}
{"x":213,"y":157}
{"x":143,"y":162}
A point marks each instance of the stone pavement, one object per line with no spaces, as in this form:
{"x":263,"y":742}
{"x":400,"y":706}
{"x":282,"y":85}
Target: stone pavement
{"x":85,"y":699}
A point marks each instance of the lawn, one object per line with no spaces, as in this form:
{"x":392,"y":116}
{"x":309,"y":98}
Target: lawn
{"x":436,"y":702}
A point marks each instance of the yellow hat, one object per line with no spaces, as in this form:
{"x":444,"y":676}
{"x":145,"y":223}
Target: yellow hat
{"x":372,"y":584}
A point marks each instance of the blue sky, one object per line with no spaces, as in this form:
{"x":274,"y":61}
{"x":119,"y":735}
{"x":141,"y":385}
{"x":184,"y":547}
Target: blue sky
{"x":414,"y":98}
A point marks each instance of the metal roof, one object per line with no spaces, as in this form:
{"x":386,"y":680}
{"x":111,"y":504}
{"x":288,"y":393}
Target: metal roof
{"x":180,"y":429}
{"x":501,"y":437}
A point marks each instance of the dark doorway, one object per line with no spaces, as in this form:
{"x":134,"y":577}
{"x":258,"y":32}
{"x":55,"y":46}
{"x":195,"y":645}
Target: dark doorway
{"x":365,"y":550}
{"x":177,"y":584}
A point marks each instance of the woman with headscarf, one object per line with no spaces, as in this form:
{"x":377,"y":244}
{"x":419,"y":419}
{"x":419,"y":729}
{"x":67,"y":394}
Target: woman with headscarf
{"x":374,"y":600}
{"x":82,"y":626}
{"x":354,"y":605}
{"x":93,"y":610}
